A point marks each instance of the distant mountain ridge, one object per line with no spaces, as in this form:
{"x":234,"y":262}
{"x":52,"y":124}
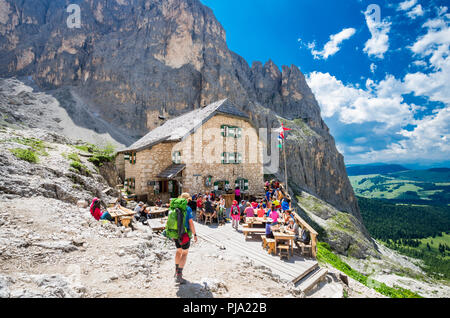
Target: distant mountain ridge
{"x":358,"y":170}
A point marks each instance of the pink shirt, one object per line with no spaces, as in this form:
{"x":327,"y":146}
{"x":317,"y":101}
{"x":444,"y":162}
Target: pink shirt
{"x":237,"y":192}
{"x":249,"y":212}
{"x":274,"y":216}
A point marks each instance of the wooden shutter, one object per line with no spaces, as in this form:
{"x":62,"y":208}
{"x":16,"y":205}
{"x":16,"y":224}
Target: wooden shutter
{"x":238,"y":132}
{"x":126,"y":156}
{"x":225,"y":130}
{"x":246,"y":184}
{"x":231,"y":157}
{"x":216,"y":186}
{"x":132,"y":158}
{"x":238,"y":158}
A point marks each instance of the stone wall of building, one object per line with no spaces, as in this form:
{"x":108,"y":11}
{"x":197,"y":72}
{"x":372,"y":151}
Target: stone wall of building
{"x":120,"y":165}
{"x":202,"y":154}
{"x":149,"y":163}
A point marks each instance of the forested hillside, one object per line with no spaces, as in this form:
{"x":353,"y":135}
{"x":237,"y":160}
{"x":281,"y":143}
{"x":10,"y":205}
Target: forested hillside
{"x":416,"y":231}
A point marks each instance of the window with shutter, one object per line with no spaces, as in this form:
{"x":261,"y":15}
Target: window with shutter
{"x":245,"y":184}
{"x":132,"y":158}
{"x":176,"y":157}
{"x":231,"y":157}
{"x":231,"y":132}
{"x":238,"y":158}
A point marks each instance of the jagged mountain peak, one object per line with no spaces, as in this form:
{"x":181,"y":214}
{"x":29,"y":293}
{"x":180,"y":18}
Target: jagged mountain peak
{"x":133,"y":61}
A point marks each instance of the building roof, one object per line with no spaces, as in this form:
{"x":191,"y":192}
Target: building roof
{"x":180,"y":127}
{"x":171,"y":171}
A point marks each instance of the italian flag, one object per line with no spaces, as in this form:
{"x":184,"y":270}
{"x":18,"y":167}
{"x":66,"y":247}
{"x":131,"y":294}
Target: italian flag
{"x":281,"y":136}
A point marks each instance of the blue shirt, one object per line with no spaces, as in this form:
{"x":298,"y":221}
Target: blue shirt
{"x":268,"y":228}
{"x":285,"y":205}
{"x":189,"y":216}
{"x":268,"y":212}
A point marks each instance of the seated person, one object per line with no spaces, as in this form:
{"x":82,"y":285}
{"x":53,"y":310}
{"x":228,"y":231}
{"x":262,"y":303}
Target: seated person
{"x":274,"y":216}
{"x":288,"y":216}
{"x":269,"y":233}
{"x":209,"y":208}
{"x":261,"y":212}
{"x":199,"y":215}
{"x":293,"y":228}
{"x":249,"y":211}
{"x":158,"y":202}
{"x":97,"y":212}
{"x":286,"y":204}
{"x":276,"y":204}
{"x":138,"y":210}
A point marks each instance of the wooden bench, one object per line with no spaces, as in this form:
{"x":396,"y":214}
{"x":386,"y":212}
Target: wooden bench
{"x":284,"y":250}
{"x":271,"y":246}
{"x":268,"y":243}
{"x":264,"y":241}
{"x":126,"y":220}
{"x":208,"y":218}
{"x":302,"y":247}
{"x":312,"y":232}
{"x":253,"y":231}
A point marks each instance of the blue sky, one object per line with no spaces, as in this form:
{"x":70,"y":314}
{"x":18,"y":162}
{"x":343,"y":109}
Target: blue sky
{"x":382,"y":80}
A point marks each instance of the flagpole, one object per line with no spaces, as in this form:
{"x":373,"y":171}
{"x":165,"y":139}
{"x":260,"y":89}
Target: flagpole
{"x":285,"y":169}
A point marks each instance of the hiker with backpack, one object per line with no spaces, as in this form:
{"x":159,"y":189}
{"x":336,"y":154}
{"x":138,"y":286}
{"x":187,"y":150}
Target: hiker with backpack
{"x":180,"y":228}
{"x":235,"y":214}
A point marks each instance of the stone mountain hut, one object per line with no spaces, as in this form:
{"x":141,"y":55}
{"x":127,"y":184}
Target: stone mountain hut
{"x":211,"y":148}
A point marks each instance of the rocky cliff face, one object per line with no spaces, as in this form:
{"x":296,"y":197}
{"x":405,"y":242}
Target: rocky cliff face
{"x":134,"y":60}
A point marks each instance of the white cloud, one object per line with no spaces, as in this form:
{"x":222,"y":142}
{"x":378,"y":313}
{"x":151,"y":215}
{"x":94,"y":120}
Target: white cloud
{"x":429,"y":140}
{"x":373,"y":67}
{"x":354,"y":149}
{"x":333,"y":45}
{"x":381,"y":111}
{"x":360,"y":140}
{"x":378,"y":44}
{"x":417,"y":11}
{"x":379,"y":102}
{"x":434,"y":45}
{"x":420,"y":63}
{"x":406,"y":5}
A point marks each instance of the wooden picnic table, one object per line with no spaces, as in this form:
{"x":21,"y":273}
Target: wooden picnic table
{"x":119,"y":212}
{"x":257,"y":220}
{"x":157,"y":225}
{"x":281,"y":237}
{"x":158,"y":211}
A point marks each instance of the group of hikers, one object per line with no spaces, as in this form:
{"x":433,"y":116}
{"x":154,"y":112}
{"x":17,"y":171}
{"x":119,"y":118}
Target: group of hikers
{"x":275,"y":206}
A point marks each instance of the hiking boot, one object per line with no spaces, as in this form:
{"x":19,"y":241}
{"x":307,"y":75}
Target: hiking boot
{"x":180,"y":280}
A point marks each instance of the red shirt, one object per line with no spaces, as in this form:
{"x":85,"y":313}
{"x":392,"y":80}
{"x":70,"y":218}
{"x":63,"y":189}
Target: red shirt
{"x":97,"y":213}
{"x":199,"y":203}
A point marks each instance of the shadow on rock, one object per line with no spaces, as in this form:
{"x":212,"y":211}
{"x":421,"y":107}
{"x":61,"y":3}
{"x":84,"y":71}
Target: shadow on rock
{"x":194,"y":290}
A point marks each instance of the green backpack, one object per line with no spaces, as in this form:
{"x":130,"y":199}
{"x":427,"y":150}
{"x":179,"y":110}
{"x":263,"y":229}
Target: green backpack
{"x":176,"y":206}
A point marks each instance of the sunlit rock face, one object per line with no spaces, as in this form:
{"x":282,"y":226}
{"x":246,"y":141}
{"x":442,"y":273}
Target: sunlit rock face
{"x":133,"y":61}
